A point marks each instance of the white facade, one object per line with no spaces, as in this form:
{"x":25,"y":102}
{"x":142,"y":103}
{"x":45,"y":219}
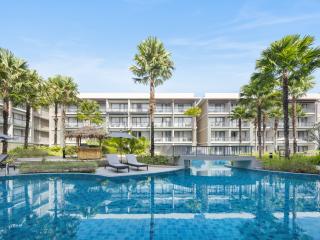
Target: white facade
{"x":39,"y":125}
{"x":215,"y":128}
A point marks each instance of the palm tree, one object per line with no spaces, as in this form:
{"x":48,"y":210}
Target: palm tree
{"x":11,"y":70}
{"x":239,"y":113}
{"x":276,"y":114}
{"x":193,"y":112}
{"x":286,"y":58}
{"x":153,"y":66}
{"x":297,"y":89}
{"x":257,"y":94}
{"x":90,"y":111}
{"x":62,"y":91}
{"x":30,"y":92}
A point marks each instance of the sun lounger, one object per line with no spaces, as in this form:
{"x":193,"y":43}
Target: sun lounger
{"x":113,"y":161}
{"x":132,"y":161}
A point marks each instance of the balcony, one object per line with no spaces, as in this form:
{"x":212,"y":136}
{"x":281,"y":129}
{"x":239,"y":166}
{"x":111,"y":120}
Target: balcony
{"x":163,"y":124}
{"x":183,"y":125}
{"x":229,"y":139}
{"x":219,"y":124}
{"x":163,"y":109}
{"x":162,"y":139}
{"x":73,"y":125}
{"x":118,"y":110}
{"x":212,"y":109}
{"x":19,"y":122}
{"x":118,"y":125}
{"x":139,"y":110}
{"x":182,"y":139}
{"x":181,"y":109}
{"x":140,"y":125}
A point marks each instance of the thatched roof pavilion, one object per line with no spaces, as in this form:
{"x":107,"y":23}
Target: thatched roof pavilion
{"x":87,"y":132}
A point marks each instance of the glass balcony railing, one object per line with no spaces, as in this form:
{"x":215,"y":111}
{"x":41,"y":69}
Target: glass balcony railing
{"x":183,"y":139}
{"x":138,"y":125}
{"x":139,"y":110}
{"x":118,"y":110}
{"x":183,"y":124}
{"x":229,"y":139}
{"x":163,"y":109}
{"x":118,"y":125}
{"x":217,"y":109}
{"x":19,"y":122}
{"x":163,"y":124}
{"x":162,"y":139}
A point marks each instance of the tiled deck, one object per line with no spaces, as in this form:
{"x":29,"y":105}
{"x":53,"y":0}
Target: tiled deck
{"x":109,"y":172}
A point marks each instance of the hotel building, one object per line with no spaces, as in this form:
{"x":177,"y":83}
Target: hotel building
{"x":39,"y":125}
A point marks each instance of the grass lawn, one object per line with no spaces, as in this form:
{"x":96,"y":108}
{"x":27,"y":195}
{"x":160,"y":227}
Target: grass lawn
{"x":58,"y":167}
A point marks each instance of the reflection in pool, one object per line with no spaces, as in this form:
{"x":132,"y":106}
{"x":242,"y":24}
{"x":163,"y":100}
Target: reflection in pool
{"x":239,"y":205}
{"x":210,"y":168}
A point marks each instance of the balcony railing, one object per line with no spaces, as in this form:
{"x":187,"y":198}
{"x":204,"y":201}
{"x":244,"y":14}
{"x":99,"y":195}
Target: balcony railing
{"x":118,"y":125}
{"x":163,"y":124}
{"x":179,"y":125}
{"x":140,"y":125}
{"x":139,"y":110}
{"x":217,"y":109}
{"x":181,"y":109}
{"x":162,"y":139}
{"x":182,"y":139}
{"x":163,"y":109}
{"x":212,"y":150}
{"x":219,"y":124}
{"x":229,"y":139}
{"x":19,"y":122}
{"x":122,"y":110}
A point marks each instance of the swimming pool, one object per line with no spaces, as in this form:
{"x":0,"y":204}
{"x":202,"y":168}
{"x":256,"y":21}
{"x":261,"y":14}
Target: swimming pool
{"x":235,"y":204}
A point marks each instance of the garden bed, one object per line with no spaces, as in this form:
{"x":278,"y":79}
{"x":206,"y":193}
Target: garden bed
{"x":58,"y":167}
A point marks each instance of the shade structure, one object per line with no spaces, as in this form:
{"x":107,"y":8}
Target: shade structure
{"x":87,"y":132}
{"x":4,"y":137}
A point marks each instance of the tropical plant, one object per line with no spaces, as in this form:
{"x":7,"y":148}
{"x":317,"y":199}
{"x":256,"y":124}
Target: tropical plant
{"x":258,"y":94}
{"x":297,"y":89}
{"x":133,"y":145}
{"x":314,"y":134}
{"x":153,"y":66}
{"x":193,"y":112}
{"x":62,"y":91}
{"x":239,"y":113}
{"x":29,"y":92}
{"x":11,"y":70}
{"x":89,"y":111}
{"x":286,"y":59}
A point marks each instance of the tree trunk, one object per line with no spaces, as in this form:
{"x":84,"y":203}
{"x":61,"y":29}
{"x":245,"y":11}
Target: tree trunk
{"x":240,"y":131}
{"x":55,"y":141}
{"x":26,"y":129}
{"x":275,"y":128}
{"x":255,"y":134}
{"x":259,"y":131}
{"x":264,"y":123}
{"x":5,"y":115}
{"x":63,"y":129}
{"x":194,"y":131}
{"x":151,"y":115}
{"x":294,"y":124}
{"x":285,"y":104}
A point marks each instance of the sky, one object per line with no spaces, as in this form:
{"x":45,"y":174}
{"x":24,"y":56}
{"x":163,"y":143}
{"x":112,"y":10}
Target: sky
{"x":214,"y":44}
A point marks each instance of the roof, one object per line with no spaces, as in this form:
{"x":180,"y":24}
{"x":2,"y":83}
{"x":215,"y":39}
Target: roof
{"x":137,"y":95}
{"x":87,"y":132}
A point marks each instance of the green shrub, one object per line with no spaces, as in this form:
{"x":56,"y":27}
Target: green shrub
{"x":20,"y":152}
{"x":297,"y":163}
{"x":156,"y":160}
{"x":57,"y":167}
{"x":71,"y":150}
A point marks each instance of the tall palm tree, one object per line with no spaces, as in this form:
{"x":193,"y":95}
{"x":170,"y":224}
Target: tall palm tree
{"x":29,"y":92}
{"x":62,"y":91}
{"x":11,"y":70}
{"x":153,"y":66}
{"x":297,"y":89}
{"x":285,"y":58}
{"x":239,"y":113}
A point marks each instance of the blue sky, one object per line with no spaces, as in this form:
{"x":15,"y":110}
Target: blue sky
{"x":214,"y":44}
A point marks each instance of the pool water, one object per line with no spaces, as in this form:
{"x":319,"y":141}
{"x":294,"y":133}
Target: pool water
{"x":233,"y":204}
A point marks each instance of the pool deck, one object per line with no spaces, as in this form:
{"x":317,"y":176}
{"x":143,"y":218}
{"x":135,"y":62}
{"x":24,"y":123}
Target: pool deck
{"x":109,"y":172}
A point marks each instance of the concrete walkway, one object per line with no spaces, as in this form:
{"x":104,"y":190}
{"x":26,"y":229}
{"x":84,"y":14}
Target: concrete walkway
{"x":109,"y":172}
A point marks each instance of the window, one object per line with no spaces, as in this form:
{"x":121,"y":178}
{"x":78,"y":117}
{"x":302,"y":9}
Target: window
{"x":183,"y":122}
{"x":140,"y":121}
{"x":217,"y":122}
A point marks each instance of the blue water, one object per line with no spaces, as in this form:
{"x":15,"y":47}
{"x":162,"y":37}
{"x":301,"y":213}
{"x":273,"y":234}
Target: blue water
{"x":193,"y":204}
